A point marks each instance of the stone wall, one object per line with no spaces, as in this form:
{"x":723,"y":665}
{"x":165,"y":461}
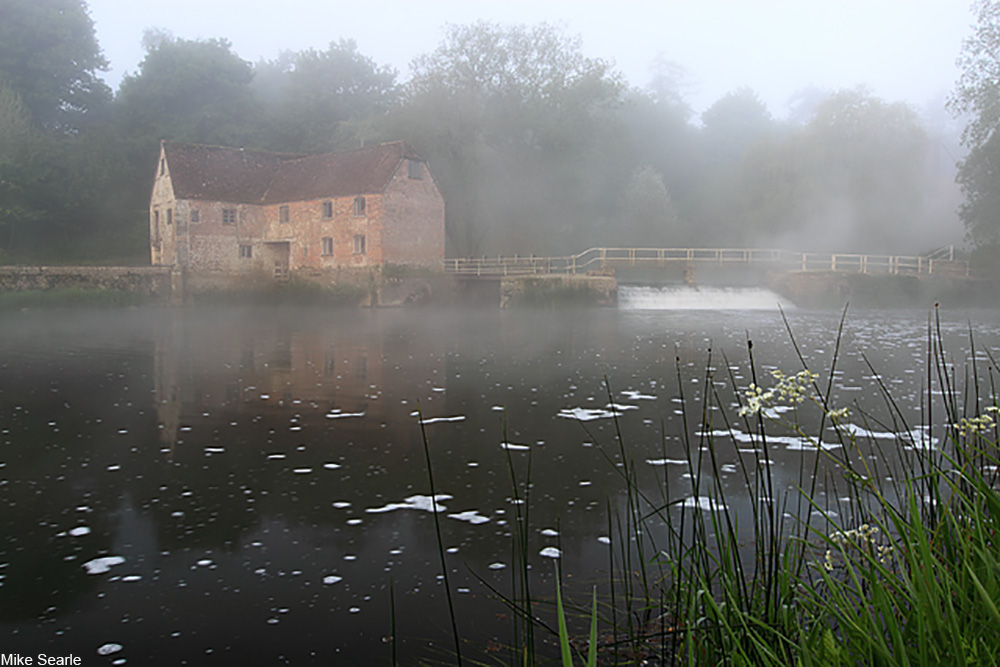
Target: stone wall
{"x":153,"y":281}
{"x":559,"y":290}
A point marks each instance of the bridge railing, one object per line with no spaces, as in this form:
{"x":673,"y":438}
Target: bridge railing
{"x":594,"y":259}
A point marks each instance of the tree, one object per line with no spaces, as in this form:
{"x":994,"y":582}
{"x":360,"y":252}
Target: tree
{"x":733,"y":123}
{"x":314,"y":98}
{"x":852,"y":178}
{"x":21,"y":147}
{"x":187,"y":90}
{"x":648,"y":214}
{"x":977,"y":94}
{"x":50,"y":56}
{"x":515,"y":121}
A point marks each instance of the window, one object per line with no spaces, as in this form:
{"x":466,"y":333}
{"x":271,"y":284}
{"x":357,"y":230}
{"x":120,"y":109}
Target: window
{"x":156,"y":219}
{"x":282,"y":214}
{"x":194,"y":215}
{"x":246,"y":251}
{"x":170,"y":216}
{"x":327,"y":245}
{"x":414,"y":170}
{"x":359,"y":244}
{"x":327,"y":210}
{"x":359,"y":206}
{"x":229,"y":216}
{"x":163,"y":166}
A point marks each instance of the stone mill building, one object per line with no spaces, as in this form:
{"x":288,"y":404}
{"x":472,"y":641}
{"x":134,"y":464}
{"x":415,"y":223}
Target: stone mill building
{"x":230,"y":211}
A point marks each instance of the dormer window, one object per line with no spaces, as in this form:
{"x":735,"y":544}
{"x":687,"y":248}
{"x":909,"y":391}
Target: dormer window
{"x":359,"y":207}
{"x":413,"y":169}
{"x":282,"y":214}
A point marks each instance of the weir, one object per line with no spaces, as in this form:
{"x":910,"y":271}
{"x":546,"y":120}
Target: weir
{"x":686,"y":297}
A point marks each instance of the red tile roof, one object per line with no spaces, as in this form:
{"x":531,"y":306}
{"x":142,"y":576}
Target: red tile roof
{"x":223,"y":173}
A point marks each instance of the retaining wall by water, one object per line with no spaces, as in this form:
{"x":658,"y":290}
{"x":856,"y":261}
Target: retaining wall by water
{"x":159,"y":283}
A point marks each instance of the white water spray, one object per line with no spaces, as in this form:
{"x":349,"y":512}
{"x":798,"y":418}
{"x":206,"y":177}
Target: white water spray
{"x":683,"y":297}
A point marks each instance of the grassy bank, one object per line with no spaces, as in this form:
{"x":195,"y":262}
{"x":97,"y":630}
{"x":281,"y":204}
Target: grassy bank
{"x":290,"y":293}
{"x":877,"y":554}
{"x":72,"y":298}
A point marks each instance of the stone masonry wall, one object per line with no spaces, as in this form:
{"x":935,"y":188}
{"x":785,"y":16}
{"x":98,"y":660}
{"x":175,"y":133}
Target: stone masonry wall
{"x":152,"y":281}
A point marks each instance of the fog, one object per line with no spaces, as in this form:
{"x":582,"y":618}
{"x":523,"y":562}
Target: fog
{"x":549,"y":129}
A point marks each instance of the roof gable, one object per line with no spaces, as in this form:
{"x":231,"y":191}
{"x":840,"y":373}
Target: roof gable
{"x":220,"y":173}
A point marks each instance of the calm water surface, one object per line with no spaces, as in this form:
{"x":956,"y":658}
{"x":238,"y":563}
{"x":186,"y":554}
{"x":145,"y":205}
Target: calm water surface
{"x":220,"y":485}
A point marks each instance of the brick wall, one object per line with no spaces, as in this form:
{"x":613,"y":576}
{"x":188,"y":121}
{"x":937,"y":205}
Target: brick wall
{"x":413,"y":219}
{"x":307,"y":227}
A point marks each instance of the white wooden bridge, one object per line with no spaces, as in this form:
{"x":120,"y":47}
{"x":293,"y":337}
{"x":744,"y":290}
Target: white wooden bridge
{"x":594,"y":260}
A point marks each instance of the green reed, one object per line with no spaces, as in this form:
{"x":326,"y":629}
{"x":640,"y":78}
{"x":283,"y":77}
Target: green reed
{"x":876,"y":554}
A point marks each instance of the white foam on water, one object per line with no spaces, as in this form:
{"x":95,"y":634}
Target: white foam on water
{"x":795,"y":443}
{"x":472,"y":516}
{"x":102,"y":564}
{"x":663,"y":462}
{"x":513,"y":446}
{"x":590,"y":414}
{"x":703,"y":503}
{"x":550,"y":552}
{"x":684,"y":297}
{"x":637,"y":396}
{"x":918,"y":435}
{"x":425,"y":503}
{"x":435,"y":420}
{"x":337,"y":414}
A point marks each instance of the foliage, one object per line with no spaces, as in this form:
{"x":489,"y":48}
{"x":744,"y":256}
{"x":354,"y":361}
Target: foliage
{"x":513,"y":119}
{"x":50,"y":56}
{"x":648,"y":216}
{"x":71,"y":298}
{"x":851,"y":178}
{"x":537,"y":148}
{"x":187,"y":90}
{"x":899,"y":566}
{"x":977,"y":94}
{"x":311,"y":98}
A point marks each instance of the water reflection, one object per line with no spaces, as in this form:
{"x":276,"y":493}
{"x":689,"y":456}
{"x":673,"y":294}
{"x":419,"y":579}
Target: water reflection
{"x":257,"y":477}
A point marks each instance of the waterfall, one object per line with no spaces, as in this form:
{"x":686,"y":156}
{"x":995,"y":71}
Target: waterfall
{"x":683,"y":297}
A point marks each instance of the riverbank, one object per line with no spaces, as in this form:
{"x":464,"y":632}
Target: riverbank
{"x":41,"y":286}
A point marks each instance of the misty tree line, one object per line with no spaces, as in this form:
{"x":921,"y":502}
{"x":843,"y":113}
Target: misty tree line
{"x":537,"y":147}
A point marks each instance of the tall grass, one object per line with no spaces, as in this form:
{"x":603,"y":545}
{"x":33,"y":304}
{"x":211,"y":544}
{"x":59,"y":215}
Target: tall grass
{"x":877,"y":555}
{"x":899,"y":565}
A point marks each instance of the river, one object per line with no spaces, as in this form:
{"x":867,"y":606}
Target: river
{"x":244,"y":486}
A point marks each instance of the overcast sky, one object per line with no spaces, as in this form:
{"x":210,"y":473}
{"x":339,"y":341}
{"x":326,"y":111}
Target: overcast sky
{"x":900,"y":49}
